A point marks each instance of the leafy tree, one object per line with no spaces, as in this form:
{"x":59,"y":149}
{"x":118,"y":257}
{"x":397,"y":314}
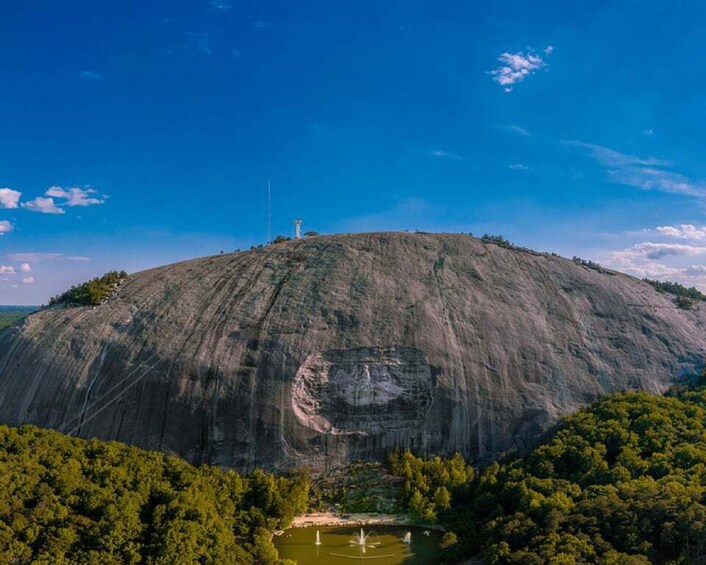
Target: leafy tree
{"x":66,"y":501}
{"x":93,"y":292}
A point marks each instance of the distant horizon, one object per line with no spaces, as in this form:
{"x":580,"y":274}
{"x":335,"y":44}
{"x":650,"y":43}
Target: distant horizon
{"x":141,"y":134}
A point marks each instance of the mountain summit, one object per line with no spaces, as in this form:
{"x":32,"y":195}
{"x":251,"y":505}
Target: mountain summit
{"x":337,"y":348}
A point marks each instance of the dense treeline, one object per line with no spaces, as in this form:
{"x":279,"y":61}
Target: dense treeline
{"x":71,"y":501}
{"x":93,"y":292}
{"x":679,"y":290}
{"x":622,"y":482}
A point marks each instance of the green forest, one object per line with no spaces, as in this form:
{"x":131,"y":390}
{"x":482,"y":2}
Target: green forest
{"x":72,"y":501}
{"x":10,"y":314}
{"x":620,"y":482}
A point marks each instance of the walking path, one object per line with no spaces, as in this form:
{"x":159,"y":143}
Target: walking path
{"x":331,"y":519}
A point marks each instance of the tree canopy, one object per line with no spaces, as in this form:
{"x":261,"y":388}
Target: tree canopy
{"x":72,"y":501}
{"x":621,"y":482}
{"x":93,"y":292}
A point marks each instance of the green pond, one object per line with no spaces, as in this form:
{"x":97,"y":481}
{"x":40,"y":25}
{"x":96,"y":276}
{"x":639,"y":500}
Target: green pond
{"x":381,"y":545}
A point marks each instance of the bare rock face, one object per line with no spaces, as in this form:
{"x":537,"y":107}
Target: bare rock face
{"x":339,"y":348}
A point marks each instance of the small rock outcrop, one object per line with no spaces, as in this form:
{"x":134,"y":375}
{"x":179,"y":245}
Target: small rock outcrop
{"x":338,"y":348}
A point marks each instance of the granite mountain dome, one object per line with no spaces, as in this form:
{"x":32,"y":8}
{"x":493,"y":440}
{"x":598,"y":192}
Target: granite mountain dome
{"x":338,"y":348}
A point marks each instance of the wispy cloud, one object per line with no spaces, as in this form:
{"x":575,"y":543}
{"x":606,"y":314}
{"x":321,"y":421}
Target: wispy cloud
{"x":201,"y":42}
{"x":5,"y":227}
{"x":27,"y":280}
{"x":444,"y":155}
{"x":661,"y":261}
{"x":657,"y":251}
{"x":7,"y":270}
{"x":43,"y":206}
{"x":90,"y":76}
{"x":519,"y":167}
{"x":9,"y":198}
{"x":34,"y":257}
{"x":75,"y":196}
{"x":670,"y":254}
{"x":514,"y":128}
{"x":683,"y":231}
{"x":221,"y":5}
{"x":262,"y":24}
{"x":643,"y":173}
{"x":25,"y":268}
{"x":516,"y":67}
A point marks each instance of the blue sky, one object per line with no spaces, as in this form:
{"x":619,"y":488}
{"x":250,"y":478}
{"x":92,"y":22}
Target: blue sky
{"x":140,"y":133}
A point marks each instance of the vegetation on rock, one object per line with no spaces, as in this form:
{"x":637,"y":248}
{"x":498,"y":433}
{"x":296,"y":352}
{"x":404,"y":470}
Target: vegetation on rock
{"x":93,"y":292}
{"x":68,"y":501}
{"x":685,"y":295}
{"x":357,"y":488}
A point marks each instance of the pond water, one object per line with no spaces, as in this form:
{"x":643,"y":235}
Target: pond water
{"x":378,"y":545}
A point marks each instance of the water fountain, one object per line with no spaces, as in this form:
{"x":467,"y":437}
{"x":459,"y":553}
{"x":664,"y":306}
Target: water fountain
{"x":383,"y":544}
{"x":361,"y":539}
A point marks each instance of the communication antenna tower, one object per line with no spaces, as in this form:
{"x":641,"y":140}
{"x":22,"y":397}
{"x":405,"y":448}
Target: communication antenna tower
{"x":297,"y":229}
{"x":269,"y":212}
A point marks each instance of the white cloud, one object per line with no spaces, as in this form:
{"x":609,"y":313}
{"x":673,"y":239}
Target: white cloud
{"x":518,"y":130}
{"x":549,"y":49}
{"x":445,"y":155}
{"x":9,"y":198}
{"x":518,"y":167}
{"x":200,"y":41}
{"x":659,"y":260}
{"x":39,"y":257}
{"x":695,"y":271}
{"x":656,"y":251}
{"x":683,"y":231}
{"x":28,"y":280}
{"x":5,"y":227}
{"x":43,"y":205}
{"x":25,"y":267}
{"x":643,"y":173}
{"x":90,"y":76}
{"x":262,"y":24}
{"x":74,"y":196}
{"x":220,"y":5}
{"x":7,"y":270}
{"x":516,"y":67}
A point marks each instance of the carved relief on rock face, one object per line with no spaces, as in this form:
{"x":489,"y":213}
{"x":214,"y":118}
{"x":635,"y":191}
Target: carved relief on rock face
{"x":363,"y":390}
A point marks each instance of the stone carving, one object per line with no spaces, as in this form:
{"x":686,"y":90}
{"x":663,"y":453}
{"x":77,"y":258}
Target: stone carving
{"x":363,"y":390}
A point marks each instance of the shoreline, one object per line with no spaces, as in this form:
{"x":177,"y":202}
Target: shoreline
{"x":350,"y":519}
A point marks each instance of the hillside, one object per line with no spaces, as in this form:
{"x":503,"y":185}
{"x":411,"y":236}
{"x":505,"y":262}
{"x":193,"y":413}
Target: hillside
{"x":338,"y":348}
{"x":10,"y":314}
